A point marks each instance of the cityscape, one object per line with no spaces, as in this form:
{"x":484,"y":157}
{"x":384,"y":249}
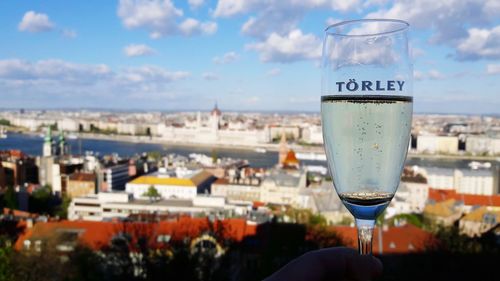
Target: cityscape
{"x":182,"y":140}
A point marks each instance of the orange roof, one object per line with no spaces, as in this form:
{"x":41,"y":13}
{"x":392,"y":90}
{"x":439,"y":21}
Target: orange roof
{"x":468,"y":199}
{"x":18,"y":213}
{"x":394,"y":240}
{"x":82,"y":177}
{"x":291,"y":159}
{"x":98,"y":234}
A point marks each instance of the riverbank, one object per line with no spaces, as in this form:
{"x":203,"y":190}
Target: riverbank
{"x":268,"y":147}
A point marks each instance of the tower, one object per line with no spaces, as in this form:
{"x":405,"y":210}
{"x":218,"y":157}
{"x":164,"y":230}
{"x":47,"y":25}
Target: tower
{"x":215,"y":116}
{"x":47,"y":143}
{"x":62,"y":144}
{"x":283,"y":149}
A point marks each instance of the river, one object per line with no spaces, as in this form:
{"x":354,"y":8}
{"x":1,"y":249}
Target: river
{"x":32,"y":145}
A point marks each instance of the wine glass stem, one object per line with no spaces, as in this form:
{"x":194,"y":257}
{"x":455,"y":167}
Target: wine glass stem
{"x":365,"y":235}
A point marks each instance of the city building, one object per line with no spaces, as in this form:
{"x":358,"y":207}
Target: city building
{"x":437,"y":144}
{"x":212,"y":131}
{"x":312,"y":134}
{"x":111,"y":205}
{"x":115,"y":175}
{"x":468,"y":181}
{"x":178,"y":183}
{"x":479,"y":221}
{"x":482,"y":145}
{"x":411,"y":195}
{"x":443,"y":213}
{"x":233,"y":190}
{"x":81,"y":184}
{"x":284,"y":187}
{"x":17,"y":169}
{"x":470,"y":201}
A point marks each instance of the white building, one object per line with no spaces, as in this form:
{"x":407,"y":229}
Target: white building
{"x":440,"y":178}
{"x":437,"y":144}
{"x":467,"y":181}
{"x":283,"y":187}
{"x":479,"y":221}
{"x":410,"y":197}
{"x":482,"y":145}
{"x":107,"y":206}
{"x":67,"y":124}
{"x":312,"y":134}
{"x":181,"y":183}
{"x":115,"y":176}
{"x":212,"y":132}
{"x":234,"y":191}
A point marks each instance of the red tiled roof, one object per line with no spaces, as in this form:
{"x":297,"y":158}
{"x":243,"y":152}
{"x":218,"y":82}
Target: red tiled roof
{"x":18,"y":213}
{"x":98,"y":234}
{"x":394,"y":240}
{"x":290,"y":159}
{"x":468,"y":199}
{"x":82,"y":177}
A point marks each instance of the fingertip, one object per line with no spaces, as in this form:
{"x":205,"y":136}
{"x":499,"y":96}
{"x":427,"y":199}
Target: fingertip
{"x":378,"y":267}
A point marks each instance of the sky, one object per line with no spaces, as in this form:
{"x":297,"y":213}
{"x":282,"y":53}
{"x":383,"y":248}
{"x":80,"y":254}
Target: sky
{"x":248,"y":55}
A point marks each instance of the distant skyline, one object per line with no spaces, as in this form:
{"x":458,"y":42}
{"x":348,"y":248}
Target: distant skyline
{"x":248,"y":55}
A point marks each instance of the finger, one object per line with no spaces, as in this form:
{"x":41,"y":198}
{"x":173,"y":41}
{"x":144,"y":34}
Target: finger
{"x":363,"y":267}
{"x":330,"y":264}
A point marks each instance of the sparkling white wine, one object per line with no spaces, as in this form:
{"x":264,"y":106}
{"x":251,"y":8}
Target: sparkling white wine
{"x":366,"y":205}
{"x":366,"y":141}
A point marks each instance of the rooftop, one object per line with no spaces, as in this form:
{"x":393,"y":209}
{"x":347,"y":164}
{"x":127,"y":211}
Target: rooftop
{"x":194,"y":179}
{"x":442,"y":209}
{"x":439,"y":195}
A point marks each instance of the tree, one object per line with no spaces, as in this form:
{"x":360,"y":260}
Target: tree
{"x":5,"y":263}
{"x":214,"y":156}
{"x":10,"y":198}
{"x":41,"y":200}
{"x":62,"y":209}
{"x":152,"y":193}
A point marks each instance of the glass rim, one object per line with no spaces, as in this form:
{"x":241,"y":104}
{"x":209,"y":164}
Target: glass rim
{"x":403,"y":27}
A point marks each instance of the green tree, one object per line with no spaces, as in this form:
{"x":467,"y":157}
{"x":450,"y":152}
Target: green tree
{"x":10,"y":198}
{"x":4,"y":122}
{"x":152,"y":193}
{"x":5,"y":263}
{"x":214,"y":156}
{"x":62,"y":209}
{"x":41,"y":200}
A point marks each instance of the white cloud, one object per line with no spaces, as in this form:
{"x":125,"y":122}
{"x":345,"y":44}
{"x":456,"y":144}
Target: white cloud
{"x":137,"y":50}
{"x":69,"y":33}
{"x":210,"y":76}
{"x":274,"y":72}
{"x":61,"y":79}
{"x":480,"y":43}
{"x":191,"y":26}
{"x":161,"y":18}
{"x":432,"y":74}
{"x":435,"y":75}
{"x":277,"y":16}
{"x":418,"y":75}
{"x":149,"y":74}
{"x":228,"y":57}
{"x":293,"y":47}
{"x":195,"y":4}
{"x":228,"y":8}
{"x":329,"y":21}
{"x":35,"y":22}
{"x":493,"y":69}
{"x":15,"y":69}
{"x":447,"y":19}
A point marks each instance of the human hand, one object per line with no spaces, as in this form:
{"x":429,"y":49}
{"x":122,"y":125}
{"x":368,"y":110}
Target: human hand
{"x":330,"y":264}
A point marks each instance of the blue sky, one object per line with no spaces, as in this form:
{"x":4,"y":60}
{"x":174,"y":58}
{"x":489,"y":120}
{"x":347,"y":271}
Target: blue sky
{"x":244,"y":54}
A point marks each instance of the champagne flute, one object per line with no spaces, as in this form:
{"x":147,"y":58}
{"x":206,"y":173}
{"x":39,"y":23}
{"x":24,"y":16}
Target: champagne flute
{"x":366,"y":113}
